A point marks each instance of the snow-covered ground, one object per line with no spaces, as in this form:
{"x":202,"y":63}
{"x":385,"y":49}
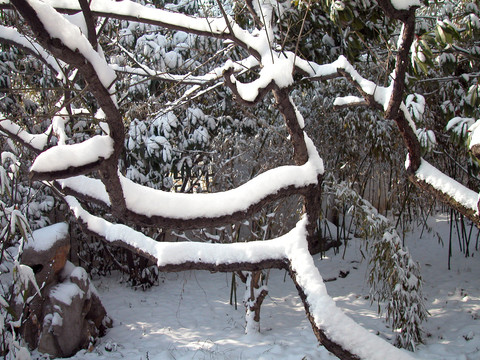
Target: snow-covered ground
{"x":188,"y":316}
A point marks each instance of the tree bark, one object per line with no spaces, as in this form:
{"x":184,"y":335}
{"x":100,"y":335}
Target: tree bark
{"x":253,"y":300}
{"x":312,"y":199}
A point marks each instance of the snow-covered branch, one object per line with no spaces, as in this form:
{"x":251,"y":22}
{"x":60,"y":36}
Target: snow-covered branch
{"x":132,"y":11}
{"x":66,"y":41}
{"x":129,"y":202}
{"x":11,"y":36}
{"x":340,"y":334}
{"x":189,"y":79}
{"x":448,"y":190}
{"x":66,"y":160}
{"x":182,"y":211}
{"x":35,"y":142}
{"x":390,"y":101}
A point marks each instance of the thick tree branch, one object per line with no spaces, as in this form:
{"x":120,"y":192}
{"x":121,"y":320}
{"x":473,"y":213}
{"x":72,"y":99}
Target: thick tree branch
{"x":312,"y":198}
{"x":393,"y":110}
{"x":69,"y":172}
{"x":468,"y":212}
{"x":212,"y":221}
{"x":286,"y":252}
{"x":320,"y":333}
{"x":186,"y":223}
{"x":90,"y":21}
{"x":109,"y":168}
{"x":289,"y":113}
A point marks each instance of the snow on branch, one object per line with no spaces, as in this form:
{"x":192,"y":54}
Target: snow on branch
{"x":58,"y":27}
{"x":276,"y":71}
{"x":448,"y":186}
{"x":399,"y":9}
{"x":65,"y":41}
{"x":390,"y":100}
{"x":345,"y":101}
{"x":373,"y":94}
{"x":36,"y":142}
{"x":189,"y":79}
{"x":336,"y":330}
{"x":85,"y":188}
{"x":200,"y":256}
{"x":387,"y":99}
{"x":289,"y":251}
{"x":257,"y":43}
{"x":132,"y":11}
{"x":150,"y":206}
{"x":12,"y":36}
{"x":69,"y":160}
{"x":144,"y":200}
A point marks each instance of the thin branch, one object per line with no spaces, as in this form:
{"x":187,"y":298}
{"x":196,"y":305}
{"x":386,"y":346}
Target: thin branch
{"x":225,"y":16}
{"x":251,"y":10}
{"x":301,"y":30}
{"x":267,"y":28}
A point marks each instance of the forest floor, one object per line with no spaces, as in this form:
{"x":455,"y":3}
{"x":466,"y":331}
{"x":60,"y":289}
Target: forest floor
{"x":188,"y":315}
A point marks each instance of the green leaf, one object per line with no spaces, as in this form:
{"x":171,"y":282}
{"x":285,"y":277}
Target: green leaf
{"x":427,"y":51}
{"x":441,"y":36}
{"x":421,"y":64}
{"x":473,"y":95}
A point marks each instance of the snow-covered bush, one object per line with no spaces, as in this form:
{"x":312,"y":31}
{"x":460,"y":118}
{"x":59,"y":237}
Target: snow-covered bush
{"x":168,"y":148}
{"x":395,"y":280}
{"x":394,"y":277}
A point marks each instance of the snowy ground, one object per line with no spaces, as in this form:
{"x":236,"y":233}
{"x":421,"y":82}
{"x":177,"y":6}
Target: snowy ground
{"x":188,"y":316}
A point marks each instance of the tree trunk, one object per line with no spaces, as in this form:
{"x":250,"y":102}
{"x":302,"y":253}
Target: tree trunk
{"x":253,"y":299}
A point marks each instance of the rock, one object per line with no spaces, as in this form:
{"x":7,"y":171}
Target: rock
{"x":69,"y":315}
{"x":47,"y":252}
{"x":73,"y":314}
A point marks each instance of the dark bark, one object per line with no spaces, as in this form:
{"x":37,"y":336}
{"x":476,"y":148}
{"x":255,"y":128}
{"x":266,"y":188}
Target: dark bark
{"x":475,"y":149}
{"x":393,"y":111}
{"x":312,"y":198}
{"x":66,"y":173}
{"x":90,"y":21}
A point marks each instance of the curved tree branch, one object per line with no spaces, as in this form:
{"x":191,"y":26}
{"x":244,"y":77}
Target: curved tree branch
{"x":393,"y":110}
{"x":287,"y":252}
{"x":109,"y":167}
{"x":11,"y":36}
